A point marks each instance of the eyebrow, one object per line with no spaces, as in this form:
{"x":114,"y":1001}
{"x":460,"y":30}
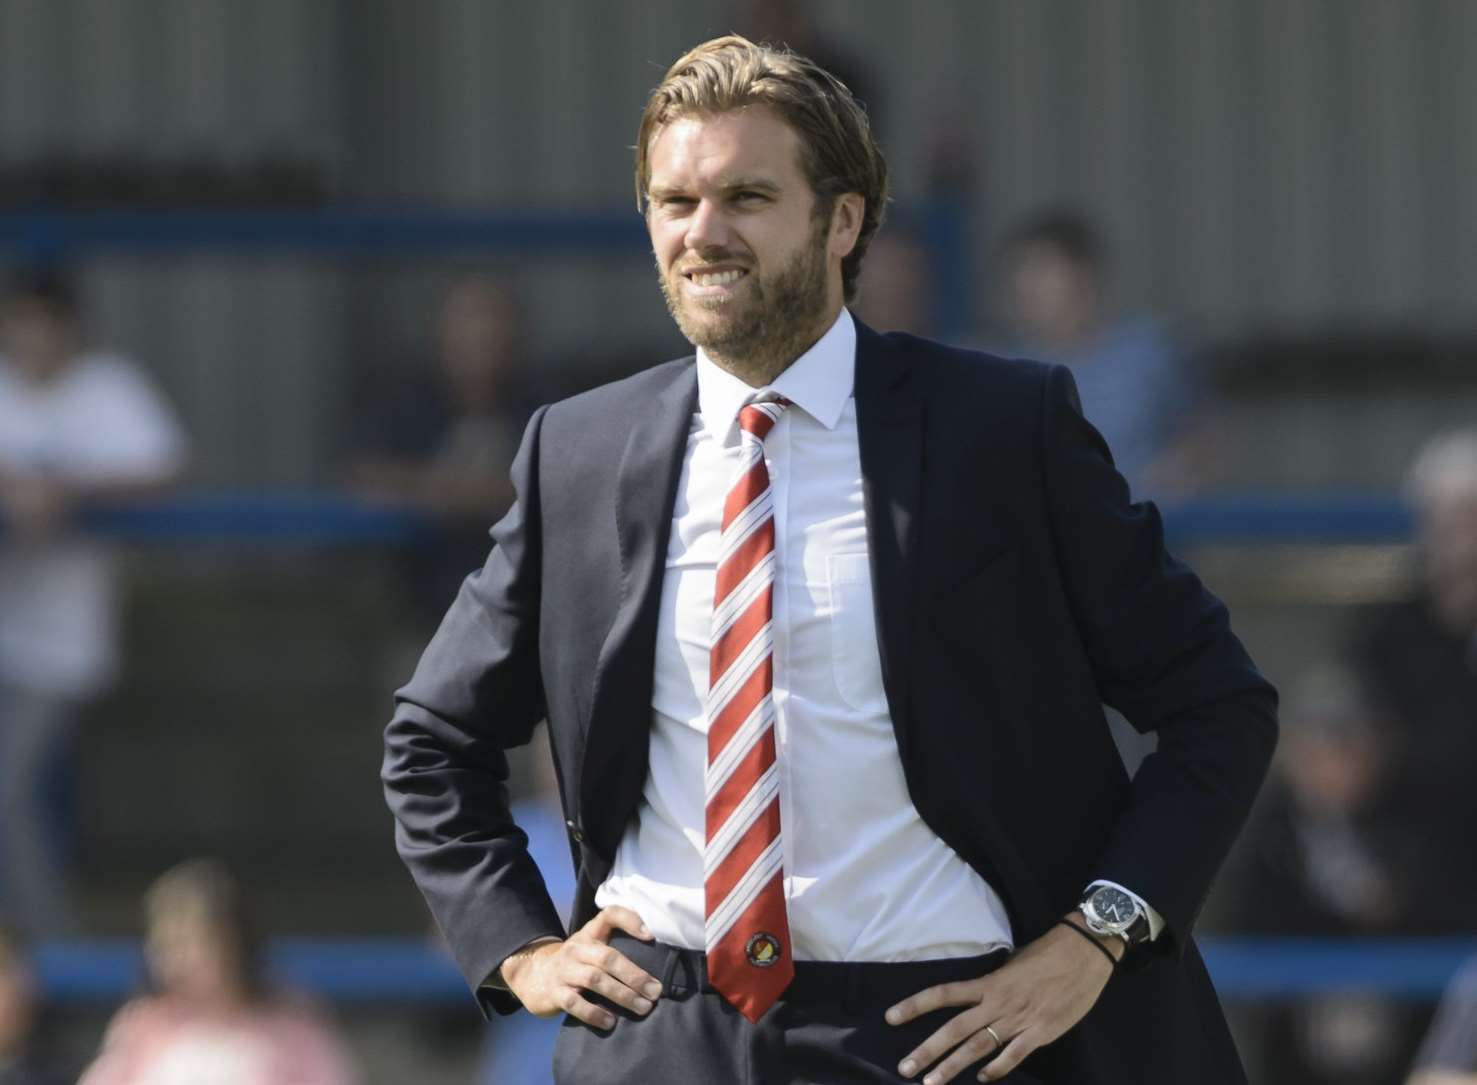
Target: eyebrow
{"x":758,"y":184}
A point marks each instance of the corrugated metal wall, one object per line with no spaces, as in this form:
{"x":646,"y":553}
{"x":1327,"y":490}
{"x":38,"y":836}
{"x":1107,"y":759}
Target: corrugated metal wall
{"x":1288,"y":165}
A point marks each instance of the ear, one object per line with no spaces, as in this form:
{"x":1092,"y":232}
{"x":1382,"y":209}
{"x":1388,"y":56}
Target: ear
{"x":846,"y":223}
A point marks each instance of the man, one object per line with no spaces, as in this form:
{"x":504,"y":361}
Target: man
{"x":79,"y":429}
{"x":442,"y":446}
{"x":1419,"y":657}
{"x":1320,"y":859}
{"x":821,"y":623}
{"x":1136,"y":388}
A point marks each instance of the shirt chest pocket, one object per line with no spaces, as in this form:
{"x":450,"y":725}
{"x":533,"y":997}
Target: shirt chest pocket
{"x":855,"y":662}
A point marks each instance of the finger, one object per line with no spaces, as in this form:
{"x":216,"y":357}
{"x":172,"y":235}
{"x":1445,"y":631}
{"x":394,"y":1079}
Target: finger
{"x":945,"y":994}
{"x":958,"y":1030}
{"x":978,"y":1045}
{"x":1013,"y":1055}
{"x":571,"y":1002}
{"x":617,"y":964}
{"x":618,"y":918}
{"x":589,"y":978}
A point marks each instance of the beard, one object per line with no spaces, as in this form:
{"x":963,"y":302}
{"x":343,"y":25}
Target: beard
{"x":772,"y":321}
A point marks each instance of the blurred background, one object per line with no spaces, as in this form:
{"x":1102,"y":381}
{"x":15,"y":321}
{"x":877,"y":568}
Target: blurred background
{"x":283,"y":280}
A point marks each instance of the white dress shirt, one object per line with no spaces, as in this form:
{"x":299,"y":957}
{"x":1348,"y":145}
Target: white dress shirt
{"x":865,"y":878}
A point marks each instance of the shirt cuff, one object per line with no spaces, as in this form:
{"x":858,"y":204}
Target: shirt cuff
{"x":1156,"y":921}
{"x":495,"y":980}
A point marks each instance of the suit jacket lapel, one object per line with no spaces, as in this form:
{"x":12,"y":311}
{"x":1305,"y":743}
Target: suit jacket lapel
{"x":615,"y":761}
{"x":889,"y":419}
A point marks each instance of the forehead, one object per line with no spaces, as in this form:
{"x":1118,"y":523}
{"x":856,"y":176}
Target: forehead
{"x":718,"y":147}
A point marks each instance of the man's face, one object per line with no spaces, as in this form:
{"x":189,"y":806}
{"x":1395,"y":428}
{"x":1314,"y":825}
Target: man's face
{"x":1054,"y":296}
{"x":744,"y":262}
{"x":474,"y":332}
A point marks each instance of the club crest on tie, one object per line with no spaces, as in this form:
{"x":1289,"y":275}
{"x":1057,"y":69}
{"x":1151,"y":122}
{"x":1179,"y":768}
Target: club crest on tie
{"x":763,"y":949}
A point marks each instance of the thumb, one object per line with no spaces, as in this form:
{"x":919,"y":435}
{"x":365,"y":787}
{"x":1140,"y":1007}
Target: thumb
{"x":618,"y":918}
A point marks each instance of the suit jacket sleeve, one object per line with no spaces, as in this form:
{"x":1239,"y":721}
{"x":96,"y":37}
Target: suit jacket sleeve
{"x":477,"y":692}
{"x":1163,"y":654}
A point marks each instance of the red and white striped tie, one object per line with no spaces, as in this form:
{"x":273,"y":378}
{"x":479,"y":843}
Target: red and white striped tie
{"x":747,"y":932}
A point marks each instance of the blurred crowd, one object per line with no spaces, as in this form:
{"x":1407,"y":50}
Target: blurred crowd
{"x":1362,"y":830}
{"x":208,"y":1011}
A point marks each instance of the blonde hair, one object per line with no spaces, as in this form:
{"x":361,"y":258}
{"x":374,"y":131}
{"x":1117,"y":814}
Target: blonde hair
{"x":838,"y":153}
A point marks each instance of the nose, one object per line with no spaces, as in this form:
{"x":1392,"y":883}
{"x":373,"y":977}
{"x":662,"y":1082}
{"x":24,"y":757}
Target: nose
{"x":707,"y":227}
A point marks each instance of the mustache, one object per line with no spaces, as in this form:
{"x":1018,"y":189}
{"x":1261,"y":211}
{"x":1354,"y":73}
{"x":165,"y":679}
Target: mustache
{"x":710,"y":259}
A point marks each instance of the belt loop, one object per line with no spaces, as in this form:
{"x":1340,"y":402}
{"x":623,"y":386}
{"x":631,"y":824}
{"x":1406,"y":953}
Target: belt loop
{"x":856,"y":994}
{"x":669,"y":967}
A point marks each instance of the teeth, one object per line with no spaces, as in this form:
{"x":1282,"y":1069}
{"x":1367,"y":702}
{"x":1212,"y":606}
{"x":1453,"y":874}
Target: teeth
{"x":721,"y":278}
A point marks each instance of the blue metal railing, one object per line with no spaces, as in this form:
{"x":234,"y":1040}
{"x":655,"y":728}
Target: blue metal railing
{"x":61,"y":234}
{"x":50,"y":234}
{"x":299,"y":518}
{"x":329,"y":518}
{"x":403,"y":970}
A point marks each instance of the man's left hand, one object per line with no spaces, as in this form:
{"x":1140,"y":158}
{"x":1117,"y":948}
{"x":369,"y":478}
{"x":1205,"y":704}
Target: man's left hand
{"x":1039,"y":994}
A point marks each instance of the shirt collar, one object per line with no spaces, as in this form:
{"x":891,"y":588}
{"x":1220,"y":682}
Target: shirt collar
{"x":819,"y":382}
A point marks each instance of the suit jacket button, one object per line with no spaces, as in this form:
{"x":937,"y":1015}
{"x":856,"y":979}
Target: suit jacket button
{"x":574,"y":832}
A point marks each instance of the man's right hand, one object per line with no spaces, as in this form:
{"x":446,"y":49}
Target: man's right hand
{"x":552,"y":978}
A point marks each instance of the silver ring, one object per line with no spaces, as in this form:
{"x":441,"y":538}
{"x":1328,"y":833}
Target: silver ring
{"x":999,"y":1043}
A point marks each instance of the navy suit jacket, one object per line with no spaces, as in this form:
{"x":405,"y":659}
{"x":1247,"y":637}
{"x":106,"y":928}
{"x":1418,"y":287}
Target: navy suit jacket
{"x":1017,"y":589}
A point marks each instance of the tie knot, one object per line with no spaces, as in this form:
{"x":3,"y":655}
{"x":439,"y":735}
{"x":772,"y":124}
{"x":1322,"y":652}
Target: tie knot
{"x":759,"y":417}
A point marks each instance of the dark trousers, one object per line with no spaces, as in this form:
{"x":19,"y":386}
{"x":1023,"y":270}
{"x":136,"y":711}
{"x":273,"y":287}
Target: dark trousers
{"x":827,"y":1029}
{"x":35,"y":729}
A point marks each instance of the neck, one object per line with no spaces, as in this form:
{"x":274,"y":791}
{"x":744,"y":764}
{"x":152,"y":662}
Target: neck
{"x":763,"y":365}
{"x":1072,"y":334}
{"x":219,"y":1000}
{"x":40,"y":371}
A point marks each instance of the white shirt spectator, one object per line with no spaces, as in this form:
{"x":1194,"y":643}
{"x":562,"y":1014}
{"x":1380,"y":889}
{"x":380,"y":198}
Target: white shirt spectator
{"x":98,"y":421}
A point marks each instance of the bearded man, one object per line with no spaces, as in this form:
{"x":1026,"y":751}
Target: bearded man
{"x":822,"y":622}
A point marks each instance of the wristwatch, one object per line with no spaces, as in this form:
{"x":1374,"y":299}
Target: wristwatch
{"x":1109,"y":910}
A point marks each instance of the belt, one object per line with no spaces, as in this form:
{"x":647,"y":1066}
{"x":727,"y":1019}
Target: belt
{"x":860,"y":983}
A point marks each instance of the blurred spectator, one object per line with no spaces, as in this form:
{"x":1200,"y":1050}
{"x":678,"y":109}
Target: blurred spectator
{"x":1317,"y":860}
{"x":443,"y":444}
{"x":1449,"y":1055}
{"x":520,"y":1046}
{"x":1318,"y":850}
{"x":18,"y":1017}
{"x":1136,"y":387}
{"x":212,"y":1017}
{"x":1420,"y":659}
{"x":895,"y":285}
{"x":78,"y":429}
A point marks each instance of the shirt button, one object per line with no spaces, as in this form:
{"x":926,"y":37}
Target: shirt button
{"x":575,"y":833}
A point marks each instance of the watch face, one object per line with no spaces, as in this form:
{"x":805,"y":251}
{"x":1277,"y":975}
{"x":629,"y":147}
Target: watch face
{"x":1114,"y":906}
